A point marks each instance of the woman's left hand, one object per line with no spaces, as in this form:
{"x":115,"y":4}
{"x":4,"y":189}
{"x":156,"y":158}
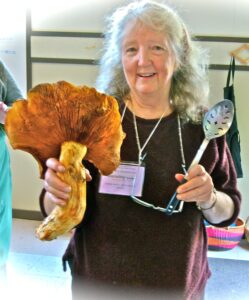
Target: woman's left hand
{"x":198,"y":188}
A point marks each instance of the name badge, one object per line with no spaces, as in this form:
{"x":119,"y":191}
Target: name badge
{"x":127,"y":180}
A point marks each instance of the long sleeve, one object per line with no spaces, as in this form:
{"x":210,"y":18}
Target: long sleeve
{"x":9,"y":90}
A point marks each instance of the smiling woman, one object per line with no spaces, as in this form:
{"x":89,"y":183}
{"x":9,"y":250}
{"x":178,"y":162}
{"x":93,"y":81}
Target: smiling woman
{"x":159,"y":78}
{"x":158,"y":38}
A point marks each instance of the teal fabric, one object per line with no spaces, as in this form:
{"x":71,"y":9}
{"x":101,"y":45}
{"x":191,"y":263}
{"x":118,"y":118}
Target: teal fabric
{"x":5,"y":200}
{"x":9,"y":92}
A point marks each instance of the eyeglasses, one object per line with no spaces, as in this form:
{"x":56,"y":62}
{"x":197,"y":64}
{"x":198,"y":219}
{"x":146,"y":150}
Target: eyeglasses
{"x":149,"y":205}
{"x":158,"y":208}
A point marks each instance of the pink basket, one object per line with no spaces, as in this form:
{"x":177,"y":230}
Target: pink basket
{"x":225,"y":238}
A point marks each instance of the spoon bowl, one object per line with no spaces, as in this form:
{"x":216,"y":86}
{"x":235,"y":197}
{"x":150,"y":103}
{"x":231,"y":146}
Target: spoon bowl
{"x":218,"y":119}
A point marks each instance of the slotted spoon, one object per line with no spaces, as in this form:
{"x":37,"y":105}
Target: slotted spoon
{"x":216,"y":123}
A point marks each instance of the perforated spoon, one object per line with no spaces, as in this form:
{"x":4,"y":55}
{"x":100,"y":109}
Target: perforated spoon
{"x":216,"y":123}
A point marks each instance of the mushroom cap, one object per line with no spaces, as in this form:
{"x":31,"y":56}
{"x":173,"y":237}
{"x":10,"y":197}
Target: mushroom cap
{"x":59,"y":112}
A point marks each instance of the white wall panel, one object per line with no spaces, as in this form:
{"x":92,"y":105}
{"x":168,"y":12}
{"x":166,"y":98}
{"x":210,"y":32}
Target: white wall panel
{"x":66,"y":47}
{"x":220,"y":52}
{"x":77,"y":74}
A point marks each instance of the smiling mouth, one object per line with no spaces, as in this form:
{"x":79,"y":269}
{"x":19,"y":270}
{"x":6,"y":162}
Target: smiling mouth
{"x":147,"y":75}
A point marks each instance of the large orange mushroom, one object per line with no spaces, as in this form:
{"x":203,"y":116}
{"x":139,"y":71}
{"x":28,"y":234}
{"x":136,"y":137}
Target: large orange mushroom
{"x":71,"y":123}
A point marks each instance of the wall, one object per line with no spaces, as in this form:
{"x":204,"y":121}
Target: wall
{"x":213,"y":18}
{"x":13,"y":41}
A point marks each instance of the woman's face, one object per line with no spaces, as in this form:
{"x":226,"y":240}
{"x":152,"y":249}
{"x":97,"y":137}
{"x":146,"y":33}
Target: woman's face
{"x":148,"y":61}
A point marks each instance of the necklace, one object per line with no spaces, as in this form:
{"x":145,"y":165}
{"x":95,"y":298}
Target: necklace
{"x":141,"y":148}
{"x":181,"y":145}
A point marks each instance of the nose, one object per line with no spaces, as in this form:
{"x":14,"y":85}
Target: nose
{"x":143,"y":57}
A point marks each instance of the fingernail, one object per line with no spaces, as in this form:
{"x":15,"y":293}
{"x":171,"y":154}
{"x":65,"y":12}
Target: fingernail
{"x":62,"y":203}
{"x":61,"y":169}
{"x":68,"y":189}
{"x":178,"y":197}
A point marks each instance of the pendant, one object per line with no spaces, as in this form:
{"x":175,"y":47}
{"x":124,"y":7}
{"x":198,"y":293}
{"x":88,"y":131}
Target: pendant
{"x":141,"y":157}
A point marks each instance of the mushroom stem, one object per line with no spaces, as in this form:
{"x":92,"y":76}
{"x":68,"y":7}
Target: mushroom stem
{"x":63,"y":218}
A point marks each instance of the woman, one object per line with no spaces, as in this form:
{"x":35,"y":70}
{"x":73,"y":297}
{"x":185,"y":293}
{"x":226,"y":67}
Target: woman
{"x":9,"y":92}
{"x":159,"y":77}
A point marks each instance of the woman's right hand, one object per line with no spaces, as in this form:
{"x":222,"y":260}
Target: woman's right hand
{"x":57,"y":190}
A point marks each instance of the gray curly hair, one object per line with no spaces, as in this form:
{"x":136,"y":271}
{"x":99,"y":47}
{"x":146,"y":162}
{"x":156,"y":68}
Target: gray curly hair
{"x":189,"y":88}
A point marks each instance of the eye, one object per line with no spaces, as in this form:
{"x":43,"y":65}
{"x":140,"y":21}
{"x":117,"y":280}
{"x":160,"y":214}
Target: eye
{"x":158,"y":49}
{"x":131,"y":50}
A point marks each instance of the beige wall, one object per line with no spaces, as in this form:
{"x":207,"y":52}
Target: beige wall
{"x":227,"y":18}
{"x":26,"y":182}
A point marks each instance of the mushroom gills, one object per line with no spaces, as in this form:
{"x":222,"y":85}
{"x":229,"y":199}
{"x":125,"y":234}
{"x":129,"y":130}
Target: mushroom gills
{"x":64,"y":218}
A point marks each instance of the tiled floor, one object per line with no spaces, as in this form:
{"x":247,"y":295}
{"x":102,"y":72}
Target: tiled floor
{"x":34,"y":269}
